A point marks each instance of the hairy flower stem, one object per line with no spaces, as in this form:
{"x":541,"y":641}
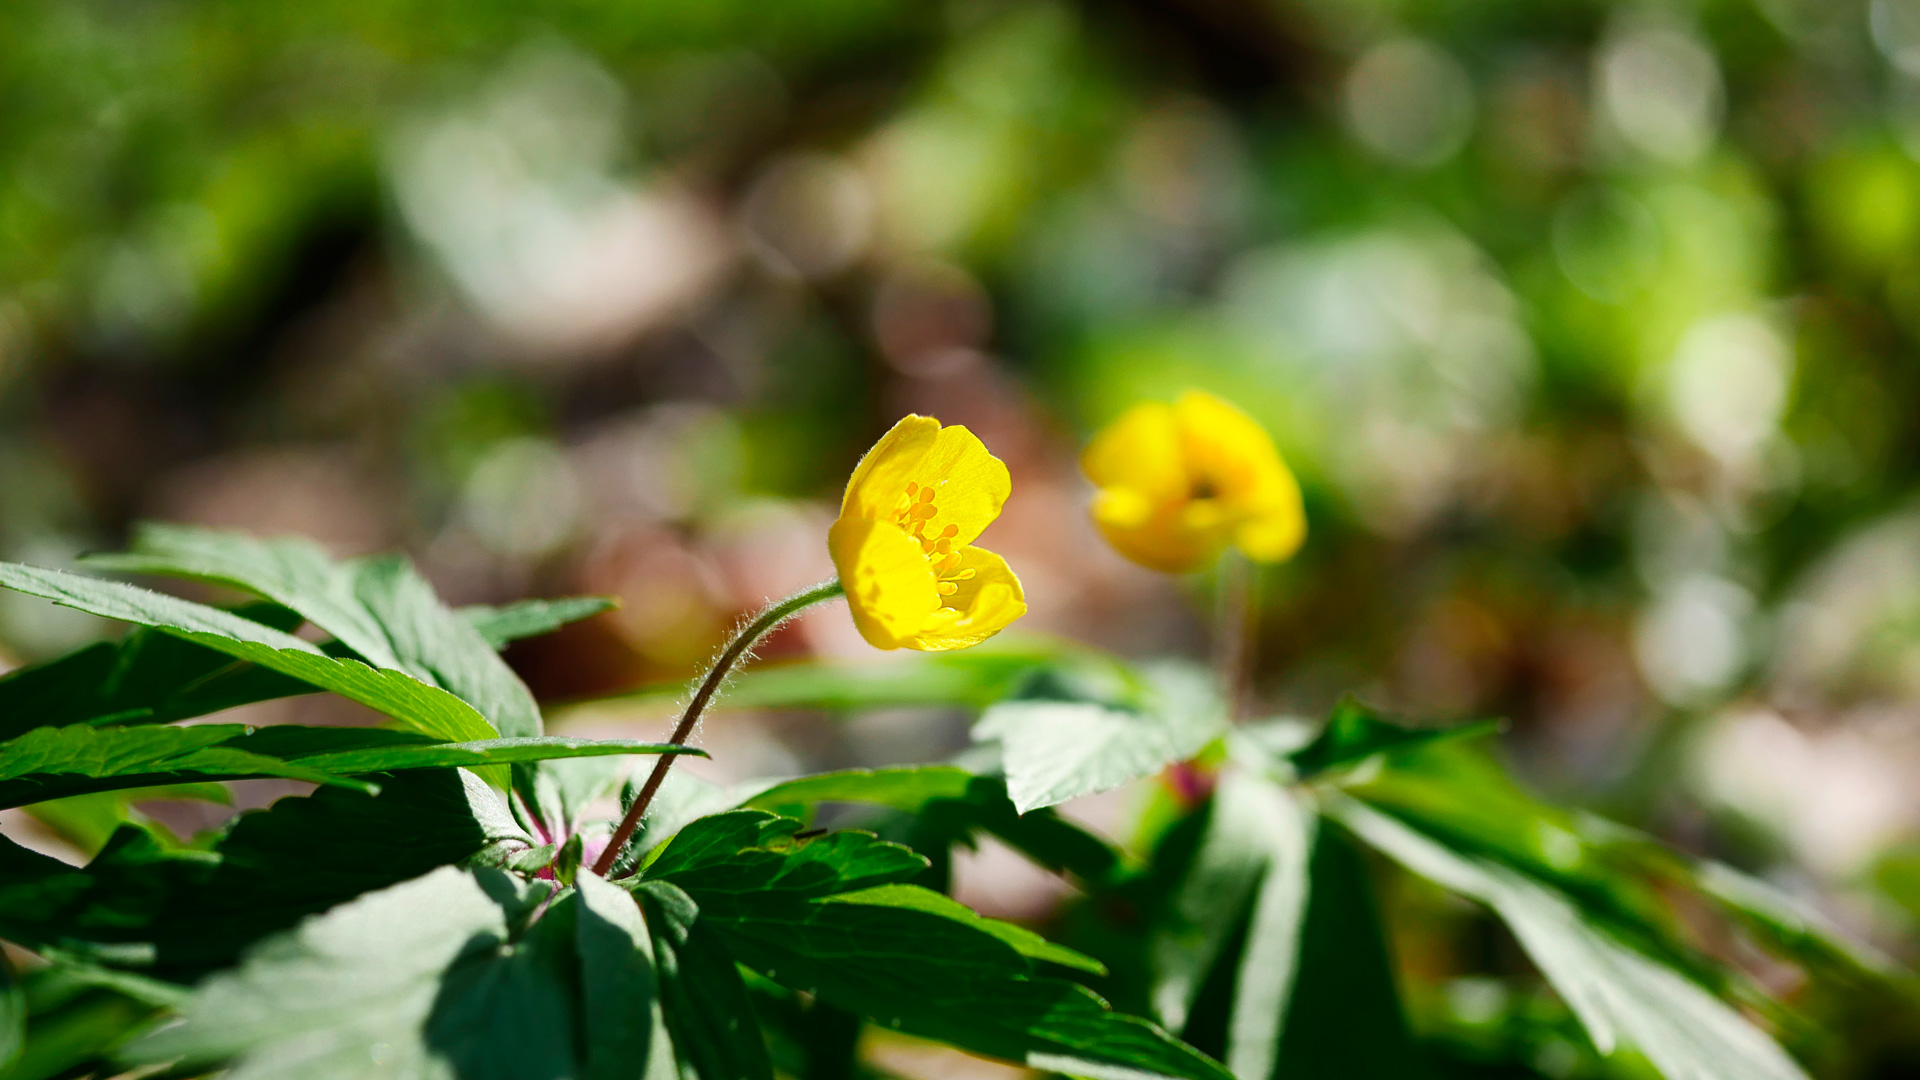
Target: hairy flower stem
{"x":1234,"y":629}
{"x":742,"y":643}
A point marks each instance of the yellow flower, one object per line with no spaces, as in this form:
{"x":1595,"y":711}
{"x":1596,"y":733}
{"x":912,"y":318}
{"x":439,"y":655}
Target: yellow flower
{"x":902,"y":544}
{"x":1180,"y":482}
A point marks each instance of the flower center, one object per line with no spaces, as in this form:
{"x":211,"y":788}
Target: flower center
{"x":913,"y":513}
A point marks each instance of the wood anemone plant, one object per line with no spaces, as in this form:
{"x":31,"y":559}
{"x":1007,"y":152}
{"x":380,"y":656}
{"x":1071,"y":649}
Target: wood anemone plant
{"x":447,"y":901}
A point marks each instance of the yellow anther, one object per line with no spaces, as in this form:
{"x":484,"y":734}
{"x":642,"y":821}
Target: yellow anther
{"x":911,"y":488}
{"x":924,"y":511}
{"x":965,"y":575}
{"x":948,"y":588}
{"x":950,"y":532}
{"x":926,"y":494}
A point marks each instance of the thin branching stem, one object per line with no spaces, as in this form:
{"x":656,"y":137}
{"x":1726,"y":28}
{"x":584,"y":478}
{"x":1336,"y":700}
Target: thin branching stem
{"x":742,"y":643}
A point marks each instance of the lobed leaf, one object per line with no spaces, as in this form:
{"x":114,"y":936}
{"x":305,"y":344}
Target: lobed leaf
{"x":1056,"y":750}
{"x":502,"y":626}
{"x":803,"y":912}
{"x":379,"y":607}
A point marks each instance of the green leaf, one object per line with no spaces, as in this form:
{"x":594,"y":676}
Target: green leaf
{"x":179,"y":913}
{"x":53,"y":763}
{"x":620,"y":1002}
{"x":425,"y":708}
{"x":749,"y":857}
{"x":1355,"y":733}
{"x":13,"y":1015}
{"x":566,"y":788}
{"x":153,"y":677}
{"x":1792,"y":928}
{"x":706,"y":1009}
{"x":502,"y":626}
{"x":1457,"y":794}
{"x":86,"y":821}
{"x":435,"y":645}
{"x":1342,"y":1014}
{"x":1058,"y":750}
{"x":75,"y":1017}
{"x":1253,"y":833}
{"x":1622,"y":996}
{"x":423,"y":979}
{"x":774,"y":898}
{"x":148,"y":677}
{"x":379,"y":607}
{"x":1043,"y":836}
{"x":1024,"y":941}
{"x":908,"y":788}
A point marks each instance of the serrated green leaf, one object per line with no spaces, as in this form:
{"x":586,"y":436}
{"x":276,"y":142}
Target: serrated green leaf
{"x":438,"y":646}
{"x":147,"y":677}
{"x":153,"y":677}
{"x":907,"y":788}
{"x":748,"y":857}
{"x":425,"y":708}
{"x":706,"y":1008}
{"x":1622,"y":996}
{"x":1024,"y":941}
{"x":53,"y":763}
{"x":379,"y":607}
{"x":1058,"y":750}
{"x":771,"y":896}
{"x":1355,"y":733}
{"x":502,"y":626}
{"x":86,"y":821}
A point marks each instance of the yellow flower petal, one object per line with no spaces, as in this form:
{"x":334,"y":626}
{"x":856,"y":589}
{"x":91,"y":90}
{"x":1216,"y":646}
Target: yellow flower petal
{"x":882,"y":476}
{"x":1141,"y":451}
{"x":1160,"y":540}
{"x":984,"y":604}
{"x":890,"y":584}
{"x":1179,"y":482}
{"x":970,"y":485}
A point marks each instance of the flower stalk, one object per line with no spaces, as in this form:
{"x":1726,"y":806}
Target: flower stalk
{"x":743,"y":641}
{"x":1234,"y":629}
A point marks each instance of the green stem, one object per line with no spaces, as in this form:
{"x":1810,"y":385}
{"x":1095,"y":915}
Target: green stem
{"x":1234,"y":629}
{"x":742,"y":643}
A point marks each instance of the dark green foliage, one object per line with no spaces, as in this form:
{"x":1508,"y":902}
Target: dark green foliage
{"x":1355,"y":733}
{"x":174,"y":912}
{"x":807,"y":914}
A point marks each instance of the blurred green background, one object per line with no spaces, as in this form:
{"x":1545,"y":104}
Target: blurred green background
{"x":1590,"y":329}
